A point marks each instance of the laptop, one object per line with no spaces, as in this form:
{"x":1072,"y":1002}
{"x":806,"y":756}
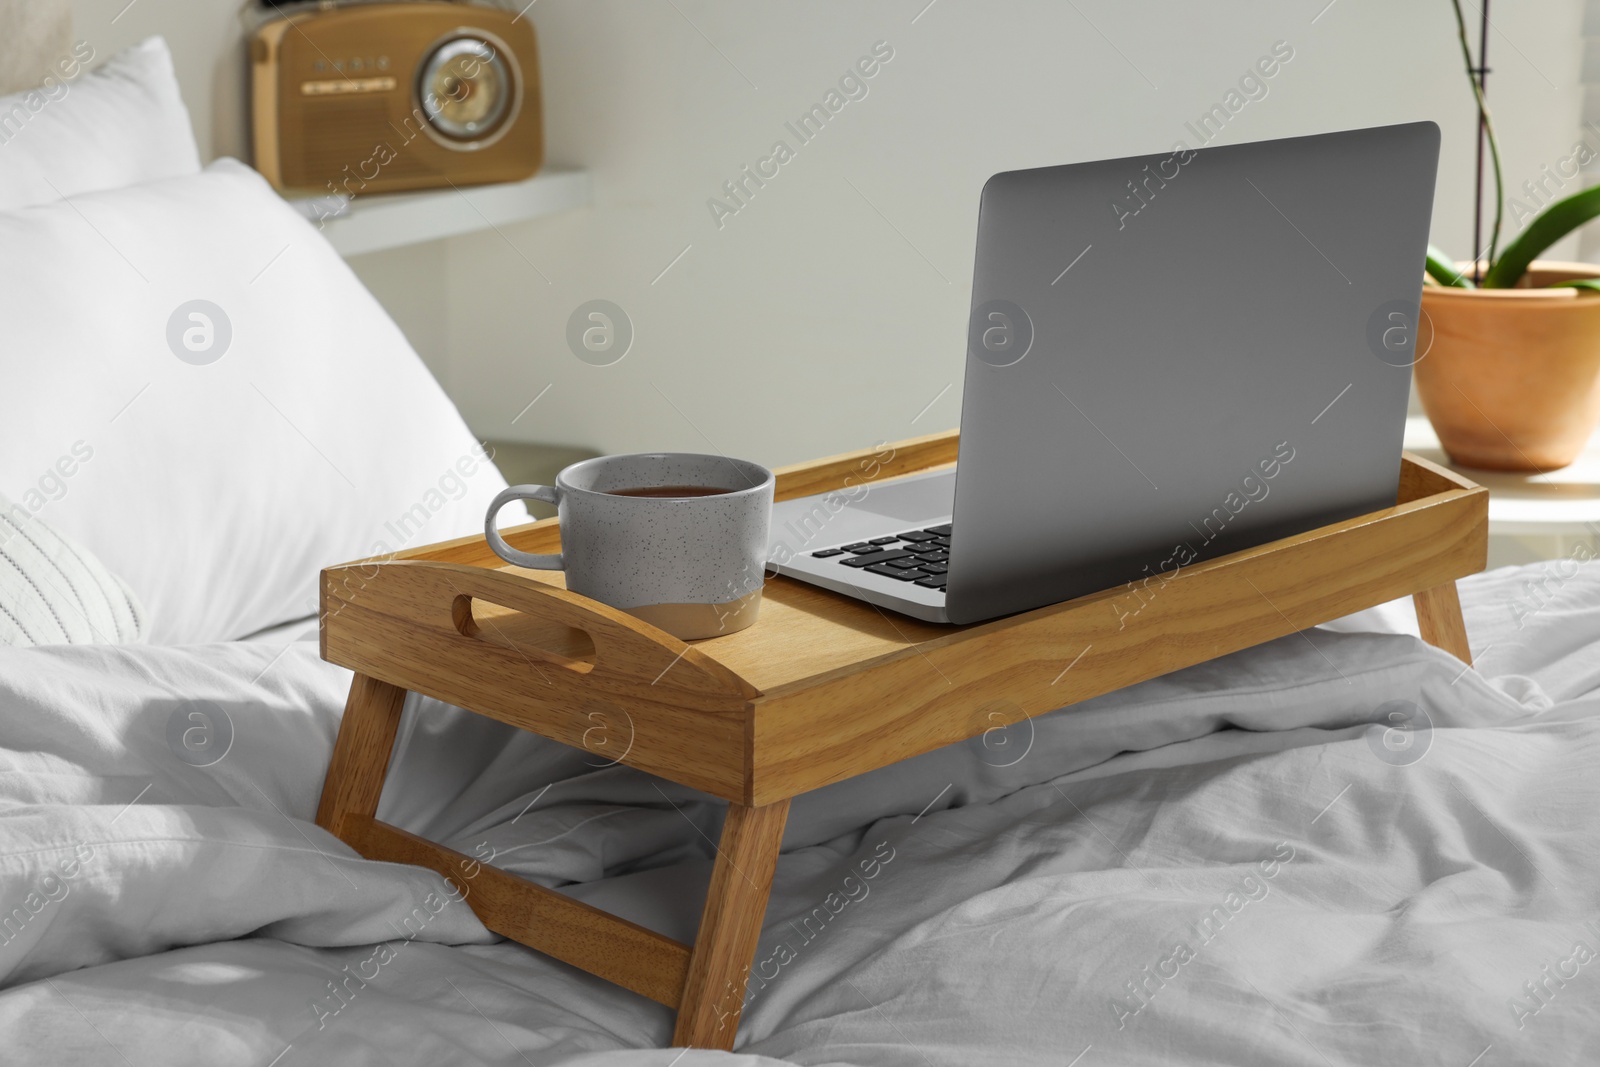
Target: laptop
{"x":1169,"y":358}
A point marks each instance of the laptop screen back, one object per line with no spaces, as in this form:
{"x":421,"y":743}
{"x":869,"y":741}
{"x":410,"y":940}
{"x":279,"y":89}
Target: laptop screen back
{"x":1177,"y":356}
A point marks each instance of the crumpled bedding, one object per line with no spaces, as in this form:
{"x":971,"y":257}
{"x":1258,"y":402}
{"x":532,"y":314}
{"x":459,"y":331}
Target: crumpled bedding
{"x":1340,"y":847}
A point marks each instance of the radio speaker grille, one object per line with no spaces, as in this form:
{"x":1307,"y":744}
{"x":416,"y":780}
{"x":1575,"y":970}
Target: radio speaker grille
{"x":342,"y":136}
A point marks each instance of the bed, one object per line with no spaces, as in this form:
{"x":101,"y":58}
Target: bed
{"x":1338,"y":848}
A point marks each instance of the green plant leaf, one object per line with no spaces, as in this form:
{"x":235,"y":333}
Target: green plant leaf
{"x":1551,"y":225}
{"x":1591,"y":284}
{"x":1442,"y":269}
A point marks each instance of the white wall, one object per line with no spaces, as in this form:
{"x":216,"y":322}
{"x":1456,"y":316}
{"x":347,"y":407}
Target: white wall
{"x":829,"y":312}
{"x":206,"y":37}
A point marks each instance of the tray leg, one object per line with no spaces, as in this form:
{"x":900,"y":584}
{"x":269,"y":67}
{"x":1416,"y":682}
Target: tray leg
{"x":730,"y":926}
{"x":361,"y":753}
{"x":1439,"y":619}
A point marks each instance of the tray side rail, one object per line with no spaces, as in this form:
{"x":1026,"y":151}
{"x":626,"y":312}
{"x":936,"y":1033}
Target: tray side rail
{"x":1421,"y":478}
{"x":994,"y":674}
{"x":543,"y":659}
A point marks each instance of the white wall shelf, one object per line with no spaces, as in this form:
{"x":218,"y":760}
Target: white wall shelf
{"x":1560,"y":503}
{"x":392,"y":220}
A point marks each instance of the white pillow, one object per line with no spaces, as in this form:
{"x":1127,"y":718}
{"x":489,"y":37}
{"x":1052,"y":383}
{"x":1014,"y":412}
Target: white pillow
{"x":217,"y":489}
{"x":114,"y":126}
{"x":54,"y":592}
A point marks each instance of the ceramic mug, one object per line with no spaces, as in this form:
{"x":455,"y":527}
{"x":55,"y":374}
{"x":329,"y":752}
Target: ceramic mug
{"x":674,"y":538}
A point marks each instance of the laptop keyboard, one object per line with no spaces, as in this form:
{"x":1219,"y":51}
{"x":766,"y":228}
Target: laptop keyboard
{"x":920,"y":557}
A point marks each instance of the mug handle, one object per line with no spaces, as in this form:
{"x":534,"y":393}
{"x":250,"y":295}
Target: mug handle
{"x":539,"y":561}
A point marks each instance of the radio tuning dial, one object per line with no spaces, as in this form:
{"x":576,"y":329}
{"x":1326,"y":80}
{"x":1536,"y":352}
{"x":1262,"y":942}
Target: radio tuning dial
{"x":467,"y":91}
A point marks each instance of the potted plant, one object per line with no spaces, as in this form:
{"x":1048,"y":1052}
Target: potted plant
{"x":1510,"y":377}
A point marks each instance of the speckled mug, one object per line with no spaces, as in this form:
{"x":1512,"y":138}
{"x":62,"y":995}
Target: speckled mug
{"x":692,"y":565}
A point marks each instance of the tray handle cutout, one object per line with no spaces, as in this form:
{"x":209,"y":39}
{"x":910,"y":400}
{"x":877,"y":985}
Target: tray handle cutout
{"x":401,"y":600}
{"x":548,"y":641}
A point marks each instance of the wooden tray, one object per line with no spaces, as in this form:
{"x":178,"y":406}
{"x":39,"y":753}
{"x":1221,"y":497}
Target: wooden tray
{"x":821,"y":689}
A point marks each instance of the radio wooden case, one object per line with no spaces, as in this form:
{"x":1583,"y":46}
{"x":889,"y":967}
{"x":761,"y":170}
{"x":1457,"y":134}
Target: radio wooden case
{"x":386,"y":97}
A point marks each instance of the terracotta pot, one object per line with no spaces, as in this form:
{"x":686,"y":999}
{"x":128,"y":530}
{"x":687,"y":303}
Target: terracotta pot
{"x":1511,"y":379}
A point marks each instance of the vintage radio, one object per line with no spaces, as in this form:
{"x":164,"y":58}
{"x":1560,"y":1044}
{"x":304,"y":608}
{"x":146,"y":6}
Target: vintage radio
{"x":387,"y":96}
